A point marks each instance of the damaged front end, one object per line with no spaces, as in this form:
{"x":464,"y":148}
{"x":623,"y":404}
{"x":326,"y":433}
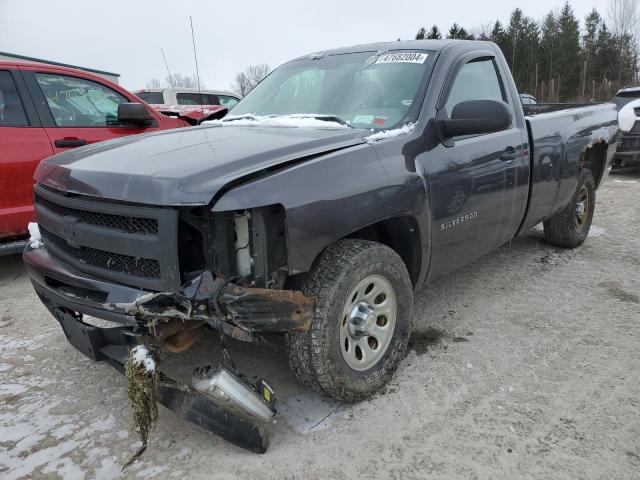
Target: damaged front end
{"x":194,"y":273}
{"x":225,"y":305}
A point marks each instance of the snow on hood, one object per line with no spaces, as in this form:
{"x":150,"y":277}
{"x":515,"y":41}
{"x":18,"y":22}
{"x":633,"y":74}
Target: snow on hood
{"x":627,"y":116}
{"x":408,"y":128}
{"x":291,"y":121}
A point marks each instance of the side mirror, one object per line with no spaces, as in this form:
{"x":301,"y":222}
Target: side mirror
{"x":475,"y":117}
{"x":134,"y":113}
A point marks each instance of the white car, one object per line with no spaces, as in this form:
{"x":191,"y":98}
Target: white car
{"x":187,"y":96}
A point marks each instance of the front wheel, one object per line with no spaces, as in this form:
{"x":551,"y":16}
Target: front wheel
{"x":362,"y":320}
{"x":570,"y":227}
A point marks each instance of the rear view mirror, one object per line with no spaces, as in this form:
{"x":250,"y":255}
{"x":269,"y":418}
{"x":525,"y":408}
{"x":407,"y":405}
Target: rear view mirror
{"x":475,"y":117}
{"x":134,"y":113}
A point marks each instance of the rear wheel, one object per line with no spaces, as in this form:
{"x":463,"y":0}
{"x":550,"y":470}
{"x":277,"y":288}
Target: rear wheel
{"x":362,"y":320}
{"x":570,"y":227}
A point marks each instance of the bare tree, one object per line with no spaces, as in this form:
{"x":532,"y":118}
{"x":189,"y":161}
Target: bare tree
{"x":253,"y":75}
{"x":623,"y":17}
{"x":177,"y":80}
{"x":153,"y":83}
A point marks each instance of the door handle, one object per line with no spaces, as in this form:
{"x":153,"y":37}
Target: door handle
{"x":509,"y":154}
{"x":70,"y":142}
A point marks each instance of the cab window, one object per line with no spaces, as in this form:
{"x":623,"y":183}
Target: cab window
{"x":11,"y":109}
{"x":76,"y":102}
{"x":197,"y":99}
{"x":151,"y":97}
{"x":476,"y":80}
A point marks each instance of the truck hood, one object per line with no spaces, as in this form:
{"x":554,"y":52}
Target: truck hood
{"x":186,"y":166}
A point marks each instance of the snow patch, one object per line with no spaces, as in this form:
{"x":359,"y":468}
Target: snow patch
{"x":35,"y":238}
{"x":596,"y":231}
{"x":140,"y":355}
{"x":290,"y":121}
{"x":624,"y":181}
{"x":408,"y":128}
{"x":309,"y":412}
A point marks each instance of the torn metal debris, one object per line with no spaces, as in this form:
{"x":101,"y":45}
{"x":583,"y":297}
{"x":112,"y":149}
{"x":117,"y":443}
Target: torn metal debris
{"x":217,"y":301}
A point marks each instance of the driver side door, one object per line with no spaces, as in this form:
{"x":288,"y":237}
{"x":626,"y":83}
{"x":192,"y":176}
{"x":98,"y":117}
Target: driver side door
{"x":474,"y":196}
{"x":76,"y":111}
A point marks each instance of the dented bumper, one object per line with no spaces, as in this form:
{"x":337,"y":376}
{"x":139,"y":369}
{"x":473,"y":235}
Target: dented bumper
{"x":113,"y":344}
{"x":237,"y":310}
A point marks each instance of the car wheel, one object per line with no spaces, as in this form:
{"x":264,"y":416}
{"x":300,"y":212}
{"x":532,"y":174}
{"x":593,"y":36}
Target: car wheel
{"x":570,"y":227}
{"x":362,"y":320}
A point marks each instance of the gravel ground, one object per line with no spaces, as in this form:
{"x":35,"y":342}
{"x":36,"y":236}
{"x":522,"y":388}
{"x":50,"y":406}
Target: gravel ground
{"x":524,"y":365}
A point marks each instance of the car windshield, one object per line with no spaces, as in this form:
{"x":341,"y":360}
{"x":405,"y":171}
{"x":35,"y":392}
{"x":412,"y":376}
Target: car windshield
{"x":622,"y":99}
{"x":365,"y":90}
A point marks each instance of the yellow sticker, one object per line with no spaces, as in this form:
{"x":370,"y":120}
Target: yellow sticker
{"x":266,"y":394}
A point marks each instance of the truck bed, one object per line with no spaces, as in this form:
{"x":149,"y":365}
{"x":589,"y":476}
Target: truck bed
{"x":539,"y":108}
{"x":573,"y":133}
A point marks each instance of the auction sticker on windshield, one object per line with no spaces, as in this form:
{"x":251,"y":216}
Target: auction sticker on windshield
{"x":405,"y":57}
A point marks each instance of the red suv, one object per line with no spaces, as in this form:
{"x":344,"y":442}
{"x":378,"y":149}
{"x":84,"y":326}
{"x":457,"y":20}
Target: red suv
{"x":48,"y":109}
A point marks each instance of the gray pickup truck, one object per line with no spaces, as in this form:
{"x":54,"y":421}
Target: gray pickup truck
{"x":343,"y":182}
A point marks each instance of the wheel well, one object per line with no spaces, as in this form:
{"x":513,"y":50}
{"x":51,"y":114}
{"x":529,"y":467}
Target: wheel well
{"x":593,"y":158}
{"x":402,"y":235}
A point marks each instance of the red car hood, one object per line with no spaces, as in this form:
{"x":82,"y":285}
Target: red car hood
{"x":194,"y":114}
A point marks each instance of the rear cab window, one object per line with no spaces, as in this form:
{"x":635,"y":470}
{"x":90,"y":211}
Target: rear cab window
{"x":77,"y":102}
{"x":156,"y":98}
{"x":12,"y":112}
{"x":196,"y":98}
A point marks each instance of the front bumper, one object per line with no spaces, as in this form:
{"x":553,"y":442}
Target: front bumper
{"x":113,"y":344}
{"x":236,"y":310}
{"x":68,"y":295}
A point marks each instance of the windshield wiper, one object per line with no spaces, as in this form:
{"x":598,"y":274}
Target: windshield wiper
{"x":330,"y":118}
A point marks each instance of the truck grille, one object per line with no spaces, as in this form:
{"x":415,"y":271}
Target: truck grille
{"x":629,"y":143}
{"x":142,"y":267}
{"x":119,"y":222}
{"x":130,"y":244}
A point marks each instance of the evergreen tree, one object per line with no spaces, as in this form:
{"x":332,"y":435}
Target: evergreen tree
{"x":458,"y":32}
{"x":555,"y":54}
{"x":434,"y":33}
{"x":421,"y":33}
{"x":568,"y":52}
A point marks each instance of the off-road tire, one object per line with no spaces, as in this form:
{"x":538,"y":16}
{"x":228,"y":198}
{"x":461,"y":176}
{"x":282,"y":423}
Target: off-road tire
{"x":315,"y":356}
{"x":562,"y":230}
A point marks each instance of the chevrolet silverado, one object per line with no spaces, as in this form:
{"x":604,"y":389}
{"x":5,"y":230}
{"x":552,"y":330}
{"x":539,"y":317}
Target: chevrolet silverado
{"x":343,"y":182}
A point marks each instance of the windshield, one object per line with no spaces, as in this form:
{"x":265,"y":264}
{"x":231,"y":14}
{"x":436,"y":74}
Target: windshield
{"x":622,"y":99}
{"x":365,"y":90}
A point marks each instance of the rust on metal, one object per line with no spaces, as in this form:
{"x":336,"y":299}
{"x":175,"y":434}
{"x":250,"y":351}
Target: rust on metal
{"x":258,"y":309}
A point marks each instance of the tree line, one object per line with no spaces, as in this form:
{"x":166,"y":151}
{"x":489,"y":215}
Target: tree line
{"x":557,"y":59}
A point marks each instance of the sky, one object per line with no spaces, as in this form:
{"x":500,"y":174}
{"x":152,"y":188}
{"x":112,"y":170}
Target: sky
{"x":125,"y":37}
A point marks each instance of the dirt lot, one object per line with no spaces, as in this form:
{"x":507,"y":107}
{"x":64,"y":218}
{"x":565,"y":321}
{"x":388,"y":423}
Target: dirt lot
{"x":524,"y":365}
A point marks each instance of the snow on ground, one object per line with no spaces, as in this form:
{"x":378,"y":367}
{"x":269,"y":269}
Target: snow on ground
{"x":596,"y":231}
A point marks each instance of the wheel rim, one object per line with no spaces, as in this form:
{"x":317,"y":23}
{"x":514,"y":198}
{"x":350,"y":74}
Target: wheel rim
{"x":367,"y":322}
{"x":583,"y":207}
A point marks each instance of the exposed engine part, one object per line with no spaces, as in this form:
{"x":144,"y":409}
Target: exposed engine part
{"x":242,"y":244}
